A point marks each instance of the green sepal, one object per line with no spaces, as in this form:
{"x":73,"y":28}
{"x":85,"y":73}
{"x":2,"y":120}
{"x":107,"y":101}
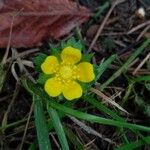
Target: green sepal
{"x":55,"y":50}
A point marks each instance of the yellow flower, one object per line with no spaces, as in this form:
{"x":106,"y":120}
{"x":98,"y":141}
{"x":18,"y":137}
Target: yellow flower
{"x":67,"y":73}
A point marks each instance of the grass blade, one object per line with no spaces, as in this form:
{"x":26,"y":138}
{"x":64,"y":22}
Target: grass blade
{"x":104,"y":65}
{"x":126,"y":64}
{"x":94,"y":118}
{"x":58,"y":128}
{"x":74,"y":139}
{"x":40,"y":123}
{"x":103,"y":108}
{"x":141,"y":78}
{"x":32,"y":87}
{"x":134,"y":145}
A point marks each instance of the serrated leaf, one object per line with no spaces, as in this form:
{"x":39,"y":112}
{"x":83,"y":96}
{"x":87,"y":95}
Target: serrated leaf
{"x":86,"y":86}
{"x":55,"y":50}
{"x":43,"y":78}
{"x":87,"y":57}
{"x":38,"y":60}
{"x":72,"y":42}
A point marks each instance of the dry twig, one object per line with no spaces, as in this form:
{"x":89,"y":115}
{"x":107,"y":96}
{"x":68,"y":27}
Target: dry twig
{"x":141,"y":64}
{"x":103,"y":23}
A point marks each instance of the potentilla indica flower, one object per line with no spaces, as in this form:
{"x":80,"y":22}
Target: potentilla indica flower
{"x":67,"y":73}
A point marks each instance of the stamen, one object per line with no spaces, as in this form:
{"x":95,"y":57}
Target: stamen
{"x":65,"y":73}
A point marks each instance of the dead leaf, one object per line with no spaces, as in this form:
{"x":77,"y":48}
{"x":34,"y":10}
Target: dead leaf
{"x":37,"y":20}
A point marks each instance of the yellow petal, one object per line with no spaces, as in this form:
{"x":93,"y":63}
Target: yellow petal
{"x":72,"y":90}
{"x":49,"y":65}
{"x":71,"y":55}
{"x":86,"y":72}
{"x":53,"y":87}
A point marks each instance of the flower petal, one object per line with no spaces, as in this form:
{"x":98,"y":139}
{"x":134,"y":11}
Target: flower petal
{"x":86,"y":72}
{"x":53,"y":87}
{"x":49,"y":65}
{"x":72,"y":90}
{"x":71,"y":55}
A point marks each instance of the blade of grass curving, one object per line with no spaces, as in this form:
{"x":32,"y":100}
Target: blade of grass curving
{"x":135,"y":145}
{"x":103,"y":108}
{"x":40,"y":123}
{"x":126,"y":64}
{"x":58,"y":128}
{"x":104,"y":65}
{"x":93,"y":118}
{"x":109,"y":112}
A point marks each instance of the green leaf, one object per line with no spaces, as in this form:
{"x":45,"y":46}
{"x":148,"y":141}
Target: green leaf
{"x":40,"y":123}
{"x":58,"y":128}
{"x":43,"y":78}
{"x":55,"y":50}
{"x":38,"y":60}
{"x":71,"y":42}
{"x":87,"y":57}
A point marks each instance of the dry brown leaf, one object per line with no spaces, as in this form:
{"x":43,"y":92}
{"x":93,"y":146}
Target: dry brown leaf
{"x":37,"y":20}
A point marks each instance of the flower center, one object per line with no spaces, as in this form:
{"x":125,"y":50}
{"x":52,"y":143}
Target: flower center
{"x":66,"y":72}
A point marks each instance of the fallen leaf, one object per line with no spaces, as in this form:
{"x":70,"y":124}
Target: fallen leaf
{"x":33,"y":21}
